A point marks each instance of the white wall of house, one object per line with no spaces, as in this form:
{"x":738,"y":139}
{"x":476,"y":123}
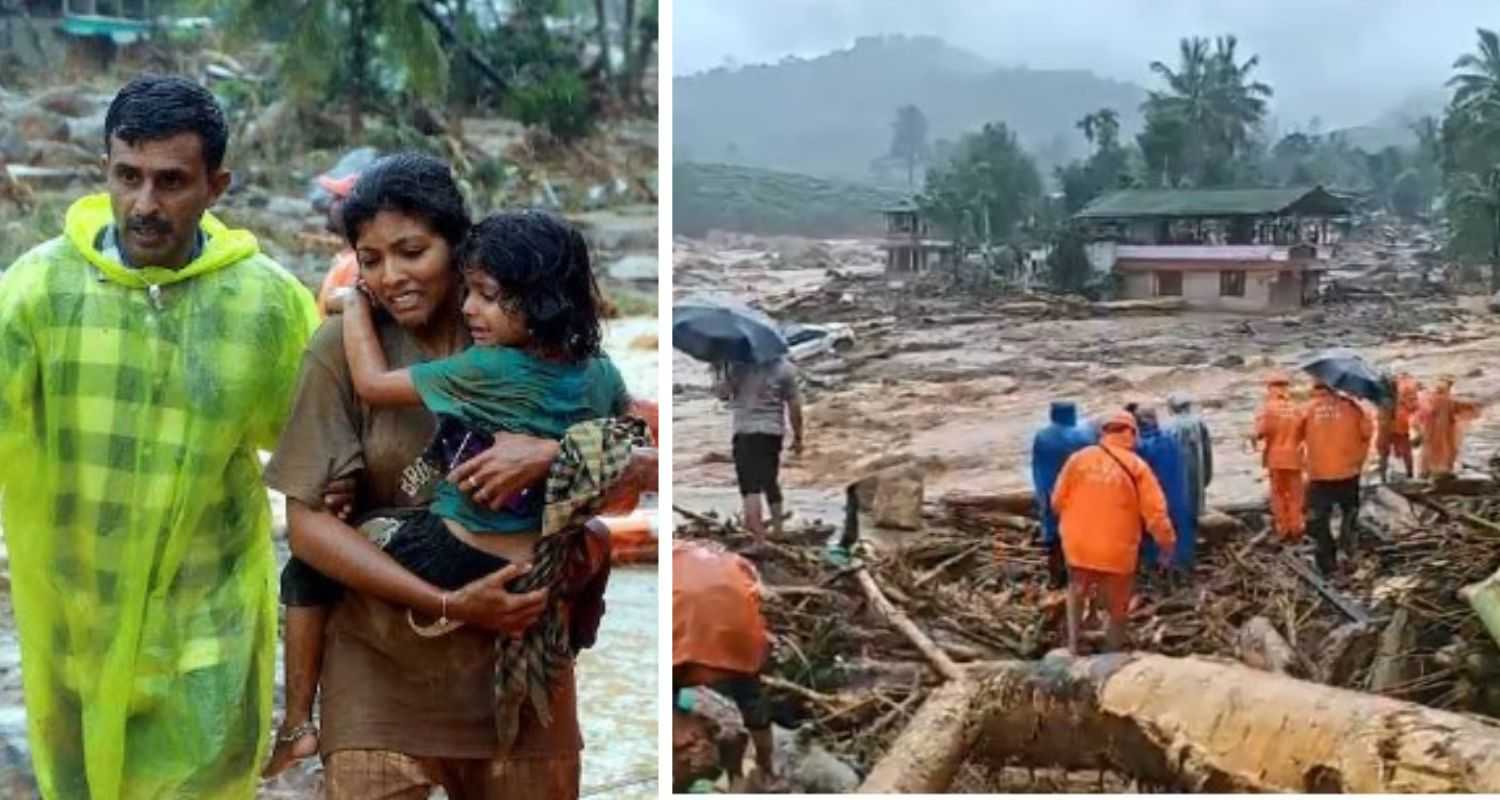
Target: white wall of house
{"x":1201,"y":289}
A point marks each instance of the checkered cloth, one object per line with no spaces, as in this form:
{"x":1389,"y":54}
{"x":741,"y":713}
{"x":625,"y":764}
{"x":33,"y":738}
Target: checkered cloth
{"x":138,"y":528}
{"x":594,"y":455}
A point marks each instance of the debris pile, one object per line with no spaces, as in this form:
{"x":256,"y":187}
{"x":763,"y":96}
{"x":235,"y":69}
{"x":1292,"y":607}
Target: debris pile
{"x":974,"y":584}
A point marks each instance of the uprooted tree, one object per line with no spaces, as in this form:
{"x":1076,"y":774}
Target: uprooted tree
{"x":1242,"y":730}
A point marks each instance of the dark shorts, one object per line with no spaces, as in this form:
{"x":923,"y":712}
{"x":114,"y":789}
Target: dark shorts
{"x":422,"y":544}
{"x":757,"y":461}
{"x":748,"y":697}
{"x":1324,"y":496}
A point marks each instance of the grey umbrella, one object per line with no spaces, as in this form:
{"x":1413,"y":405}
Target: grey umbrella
{"x":718,"y":330}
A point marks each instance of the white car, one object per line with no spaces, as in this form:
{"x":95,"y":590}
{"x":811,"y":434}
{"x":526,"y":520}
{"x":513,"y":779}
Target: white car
{"x":808,"y":341}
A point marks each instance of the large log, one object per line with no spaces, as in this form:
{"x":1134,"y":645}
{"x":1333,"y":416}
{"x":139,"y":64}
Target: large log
{"x":1021,"y":502}
{"x":1203,"y":725}
{"x":927,"y":755}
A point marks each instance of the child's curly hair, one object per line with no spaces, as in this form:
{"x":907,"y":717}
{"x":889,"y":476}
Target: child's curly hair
{"x":542,"y":265}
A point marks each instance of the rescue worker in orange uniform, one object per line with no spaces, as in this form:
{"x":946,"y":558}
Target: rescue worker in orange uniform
{"x":1102,"y":496}
{"x":719,"y":640}
{"x":1394,"y":431}
{"x":1276,"y":428}
{"x":1336,"y":432}
{"x":1442,"y":418}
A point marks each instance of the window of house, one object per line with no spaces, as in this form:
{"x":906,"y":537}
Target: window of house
{"x":1232,"y":283}
{"x":1169,"y":284}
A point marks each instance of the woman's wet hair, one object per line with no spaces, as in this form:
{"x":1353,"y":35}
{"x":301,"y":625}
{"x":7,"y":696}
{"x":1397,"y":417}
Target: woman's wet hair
{"x":414,"y":184}
{"x":542,"y":265}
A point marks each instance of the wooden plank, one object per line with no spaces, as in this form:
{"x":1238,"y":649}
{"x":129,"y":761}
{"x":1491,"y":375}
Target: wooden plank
{"x":1351,"y":609}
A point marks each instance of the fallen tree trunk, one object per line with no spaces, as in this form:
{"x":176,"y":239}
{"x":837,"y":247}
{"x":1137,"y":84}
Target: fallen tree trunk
{"x":1202,"y":725}
{"x":1021,"y":502}
{"x":898,"y":620}
{"x":1261,"y":647}
{"x":1213,"y":526}
{"x":927,"y":755}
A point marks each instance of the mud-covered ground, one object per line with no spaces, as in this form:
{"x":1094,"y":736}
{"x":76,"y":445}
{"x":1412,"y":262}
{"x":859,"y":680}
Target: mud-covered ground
{"x":966,"y":396}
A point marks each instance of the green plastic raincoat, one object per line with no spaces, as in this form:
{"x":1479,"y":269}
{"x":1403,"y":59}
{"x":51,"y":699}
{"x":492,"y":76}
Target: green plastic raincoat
{"x":132,"y":403}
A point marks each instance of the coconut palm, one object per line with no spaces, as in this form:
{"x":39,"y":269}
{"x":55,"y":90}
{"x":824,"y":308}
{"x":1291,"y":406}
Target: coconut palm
{"x":1478,"y":86}
{"x":1211,"y":100}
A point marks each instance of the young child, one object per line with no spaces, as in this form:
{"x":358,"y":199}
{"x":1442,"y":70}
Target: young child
{"x":535,"y":367}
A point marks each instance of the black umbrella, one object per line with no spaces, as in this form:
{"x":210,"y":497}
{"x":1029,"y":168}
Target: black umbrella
{"x":1346,"y":371}
{"x":721,"y":330}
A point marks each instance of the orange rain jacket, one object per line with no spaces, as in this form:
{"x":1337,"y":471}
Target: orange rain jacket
{"x":1100,"y":506}
{"x":1336,"y":431}
{"x":716,"y":619}
{"x":1442,"y":420}
{"x":1408,"y":404}
{"x":1277,"y":425}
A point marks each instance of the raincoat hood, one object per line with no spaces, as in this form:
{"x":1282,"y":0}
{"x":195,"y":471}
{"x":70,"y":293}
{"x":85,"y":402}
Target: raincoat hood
{"x":1064,"y":413}
{"x":90,"y":215}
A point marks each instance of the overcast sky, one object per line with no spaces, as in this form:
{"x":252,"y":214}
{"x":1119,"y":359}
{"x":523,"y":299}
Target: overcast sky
{"x":1347,"y":61}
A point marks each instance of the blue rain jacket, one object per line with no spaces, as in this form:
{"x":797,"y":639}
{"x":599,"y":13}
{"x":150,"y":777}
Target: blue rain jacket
{"x":1049,"y":451}
{"x":1163,"y":455}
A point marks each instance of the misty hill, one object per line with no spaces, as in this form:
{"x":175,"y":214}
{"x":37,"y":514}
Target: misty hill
{"x":831,"y":115}
{"x":750,"y":200}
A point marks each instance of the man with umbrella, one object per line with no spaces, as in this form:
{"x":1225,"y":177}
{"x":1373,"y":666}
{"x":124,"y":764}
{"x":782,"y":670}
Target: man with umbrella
{"x":1336,"y":432}
{"x":746,"y":350}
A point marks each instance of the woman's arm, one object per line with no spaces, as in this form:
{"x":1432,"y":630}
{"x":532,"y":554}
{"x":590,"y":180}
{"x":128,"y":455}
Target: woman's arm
{"x":375,"y":383}
{"x":345,"y":555}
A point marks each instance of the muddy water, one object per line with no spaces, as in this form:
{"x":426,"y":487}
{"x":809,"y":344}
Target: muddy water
{"x":617,"y":679}
{"x":968,"y":398}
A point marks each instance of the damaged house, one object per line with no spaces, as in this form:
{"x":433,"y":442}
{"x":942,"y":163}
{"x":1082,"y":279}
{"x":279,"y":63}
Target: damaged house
{"x":909,"y":244}
{"x":1228,"y":249}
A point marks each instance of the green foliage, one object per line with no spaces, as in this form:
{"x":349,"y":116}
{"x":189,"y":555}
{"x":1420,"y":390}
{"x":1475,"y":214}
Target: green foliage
{"x":560,"y":103}
{"x":909,"y":139}
{"x":736,"y":198}
{"x":1207,"y":117}
{"x":990,"y":178}
{"x":1068,"y":265}
{"x":1469,"y":142}
{"x":1106,"y":170}
{"x":362,"y":51}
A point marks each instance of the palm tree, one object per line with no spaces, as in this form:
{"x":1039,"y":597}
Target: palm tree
{"x":1478,"y":87}
{"x":1238,"y":102}
{"x":1212,"y":96}
{"x":1103,"y":125}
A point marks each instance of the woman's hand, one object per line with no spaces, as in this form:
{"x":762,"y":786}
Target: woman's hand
{"x":488,"y":604}
{"x":338,"y":497}
{"x":512,"y":464}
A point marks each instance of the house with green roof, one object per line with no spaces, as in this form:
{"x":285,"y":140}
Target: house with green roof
{"x":1230,"y":249}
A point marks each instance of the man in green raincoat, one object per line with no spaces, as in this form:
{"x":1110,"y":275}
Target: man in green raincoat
{"x":145,"y":355}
